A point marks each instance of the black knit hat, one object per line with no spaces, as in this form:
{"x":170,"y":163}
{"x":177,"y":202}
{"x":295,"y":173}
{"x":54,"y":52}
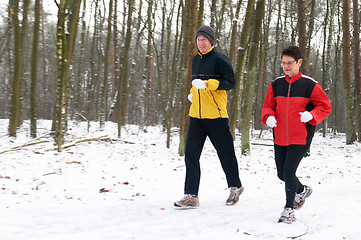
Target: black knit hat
{"x":206,"y":31}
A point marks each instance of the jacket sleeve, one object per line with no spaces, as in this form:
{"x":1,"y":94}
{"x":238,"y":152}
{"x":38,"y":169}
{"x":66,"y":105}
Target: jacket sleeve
{"x":227,"y":79}
{"x":269,"y":105}
{"x":322,"y":105}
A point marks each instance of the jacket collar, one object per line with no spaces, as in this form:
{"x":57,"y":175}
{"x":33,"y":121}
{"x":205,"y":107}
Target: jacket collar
{"x":202,"y":54}
{"x":293,"y":79}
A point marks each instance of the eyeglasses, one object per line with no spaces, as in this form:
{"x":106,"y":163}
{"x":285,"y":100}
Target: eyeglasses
{"x":287,"y":63}
{"x":201,"y":39}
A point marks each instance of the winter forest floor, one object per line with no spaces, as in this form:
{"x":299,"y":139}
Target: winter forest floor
{"x":125,"y":188}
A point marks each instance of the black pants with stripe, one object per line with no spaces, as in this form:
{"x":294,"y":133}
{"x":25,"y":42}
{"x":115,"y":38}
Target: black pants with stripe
{"x":218,"y":132}
{"x":287,"y":160}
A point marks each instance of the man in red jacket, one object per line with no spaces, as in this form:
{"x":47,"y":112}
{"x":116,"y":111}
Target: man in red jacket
{"x":293,"y":106}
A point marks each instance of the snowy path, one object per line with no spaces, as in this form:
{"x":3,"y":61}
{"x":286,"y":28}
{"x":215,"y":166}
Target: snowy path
{"x":120,"y":190}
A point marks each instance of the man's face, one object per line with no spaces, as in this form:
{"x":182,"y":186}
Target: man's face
{"x":290,"y":66}
{"x":203,"y":44}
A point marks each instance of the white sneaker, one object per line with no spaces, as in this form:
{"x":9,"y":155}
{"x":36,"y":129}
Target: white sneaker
{"x":301,"y":197}
{"x":188,"y":200}
{"x":234,"y":195}
{"x":287,"y":216}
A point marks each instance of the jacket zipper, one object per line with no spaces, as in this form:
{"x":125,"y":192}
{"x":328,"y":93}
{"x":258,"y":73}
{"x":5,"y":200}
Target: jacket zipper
{"x":287,"y":110}
{"x":219,"y":110}
{"x":199,"y":97}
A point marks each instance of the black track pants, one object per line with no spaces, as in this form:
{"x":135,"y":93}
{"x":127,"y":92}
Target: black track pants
{"x":218,"y":132}
{"x":287,"y":160}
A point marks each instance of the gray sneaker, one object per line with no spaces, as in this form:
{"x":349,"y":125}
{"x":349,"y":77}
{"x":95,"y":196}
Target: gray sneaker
{"x":301,"y":197}
{"x":234,"y":195}
{"x":287,"y":216}
{"x":188,"y":200}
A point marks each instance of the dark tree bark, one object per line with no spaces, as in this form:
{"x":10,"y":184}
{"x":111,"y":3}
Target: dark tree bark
{"x":34,"y":70}
{"x":15,"y":118}
{"x":302,"y":34}
{"x":250,"y":82}
{"x":241,"y":61}
{"x":189,"y":27}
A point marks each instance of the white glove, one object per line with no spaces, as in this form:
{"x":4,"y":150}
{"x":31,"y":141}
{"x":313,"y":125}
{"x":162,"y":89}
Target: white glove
{"x":190,"y":97}
{"x":271,"y":121}
{"x":199,"y":84}
{"x":306,"y":116}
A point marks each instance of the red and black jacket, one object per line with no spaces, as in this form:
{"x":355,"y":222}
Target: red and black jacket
{"x":285,"y":99}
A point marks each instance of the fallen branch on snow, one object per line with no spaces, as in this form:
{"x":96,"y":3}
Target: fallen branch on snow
{"x":22,"y":146}
{"x":263,"y":144}
{"x":102,"y":138}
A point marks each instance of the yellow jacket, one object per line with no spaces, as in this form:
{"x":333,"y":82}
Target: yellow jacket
{"x":216,"y":71}
{"x":208,"y":103}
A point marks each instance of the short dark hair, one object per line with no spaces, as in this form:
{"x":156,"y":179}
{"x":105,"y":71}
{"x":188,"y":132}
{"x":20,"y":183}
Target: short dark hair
{"x":292,"y":51}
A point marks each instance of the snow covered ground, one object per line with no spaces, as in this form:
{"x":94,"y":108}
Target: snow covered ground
{"x":125,"y":189}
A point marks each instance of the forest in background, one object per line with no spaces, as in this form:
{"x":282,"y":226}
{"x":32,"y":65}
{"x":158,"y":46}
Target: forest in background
{"x":130,"y":61}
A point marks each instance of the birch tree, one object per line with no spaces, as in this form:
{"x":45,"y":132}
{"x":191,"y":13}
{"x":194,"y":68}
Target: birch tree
{"x":326,"y":53}
{"x":350,"y":127}
{"x":65,"y":47}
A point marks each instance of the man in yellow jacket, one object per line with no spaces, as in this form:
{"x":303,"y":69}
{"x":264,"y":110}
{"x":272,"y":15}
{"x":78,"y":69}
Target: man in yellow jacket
{"x":212,"y":76}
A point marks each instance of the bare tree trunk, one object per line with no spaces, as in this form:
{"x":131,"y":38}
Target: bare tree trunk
{"x":325,"y":65}
{"x":302,"y":34}
{"x":135,"y":58}
{"x":338,"y":95}
{"x":104,"y":95}
{"x":92,"y":81}
{"x":311,"y":26}
{"x":331,"y":77}
{"x":34,"y":70}
{"x":81,"y":68}
{"x":189,"y":27}
{"x":213,"y":14}
{"x":173,"y":77}
{"x":262,"y":74}
{"x":65,"y":48}
{"x":219,"y":18}
{"x":350,"y":127}
{"x":123,"y":82}
{"x":165,"y":82}
{"x":357,"y":67}
{"x":294,"y":28}
{"x":250,"y":82}
{"x":232,"y":48}
{"x":241,"y":61}
{"x":60,"y":93}
{"x":276,"y":60}
{"x":45,"y":71}
{"x":116,"y":63}
{"x":200,"y":12}
{"x":19,"y":40}
{"x":145,"y":121}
